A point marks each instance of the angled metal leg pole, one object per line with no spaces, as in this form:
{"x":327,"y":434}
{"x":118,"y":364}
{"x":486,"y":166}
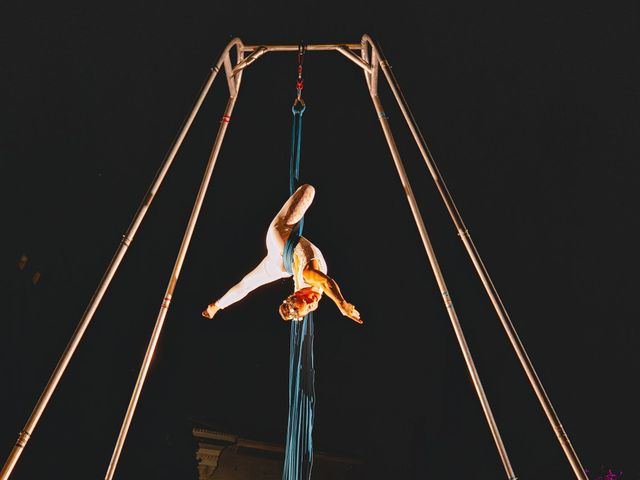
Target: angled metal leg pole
{"x":169,"y":291}
{"x":475,"y":378}
{"x":234,"y":84}
{"x":510,"y":330}
{"x":127,"y":238}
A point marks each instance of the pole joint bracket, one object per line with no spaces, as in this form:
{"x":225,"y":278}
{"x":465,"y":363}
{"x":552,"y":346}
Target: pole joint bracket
{"x":23,"y":438}
{"x":560,"y":432}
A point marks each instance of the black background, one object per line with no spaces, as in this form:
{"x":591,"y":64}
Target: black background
{"x":532,"y":114}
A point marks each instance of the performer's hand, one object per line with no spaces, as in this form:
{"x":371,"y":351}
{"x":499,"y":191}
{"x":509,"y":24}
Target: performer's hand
{"x":210,"y":311}
{"x":350,"y":311}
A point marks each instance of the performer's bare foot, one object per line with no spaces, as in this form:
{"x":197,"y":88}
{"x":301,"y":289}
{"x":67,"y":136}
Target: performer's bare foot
{"x":210,"y":311}
{"x":350,"y":311}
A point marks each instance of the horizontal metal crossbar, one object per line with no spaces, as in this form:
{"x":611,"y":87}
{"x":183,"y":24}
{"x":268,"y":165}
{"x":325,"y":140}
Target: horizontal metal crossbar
{"x":294,"y":48}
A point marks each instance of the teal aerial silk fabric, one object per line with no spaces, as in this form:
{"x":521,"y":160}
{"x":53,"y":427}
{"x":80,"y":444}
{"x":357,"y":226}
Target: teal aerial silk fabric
{"x":299,"y":444}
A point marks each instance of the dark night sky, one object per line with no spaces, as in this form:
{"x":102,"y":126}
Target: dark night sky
{"x":532,"y":115}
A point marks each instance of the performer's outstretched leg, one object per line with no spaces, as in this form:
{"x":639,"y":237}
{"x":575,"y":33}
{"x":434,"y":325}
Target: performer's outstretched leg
{"x":267,"y":271}
{"x":291,"y":213}
{"x":294,"y":208}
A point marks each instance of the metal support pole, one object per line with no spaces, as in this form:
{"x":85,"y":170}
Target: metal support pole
{"x":255,"y":55}
{"x":510,"y":330}
{"x":354,"y":58}
{"x":164,"y":308}
{"x":446,"y":297}
{"x":127,"y":238}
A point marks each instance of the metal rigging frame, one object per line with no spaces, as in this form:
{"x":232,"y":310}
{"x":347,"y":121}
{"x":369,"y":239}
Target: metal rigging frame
{"x":368,"y":56}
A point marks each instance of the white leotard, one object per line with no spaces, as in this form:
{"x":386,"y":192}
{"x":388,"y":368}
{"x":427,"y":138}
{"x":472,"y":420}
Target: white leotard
{"x":304,"y":252}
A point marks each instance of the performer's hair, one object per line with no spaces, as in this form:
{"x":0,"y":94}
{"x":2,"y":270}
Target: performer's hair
{"x":289,"y":309}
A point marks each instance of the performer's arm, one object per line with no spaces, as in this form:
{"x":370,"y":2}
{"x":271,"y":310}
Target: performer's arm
{"x":316,"y":278}
{"x":265,"y":272}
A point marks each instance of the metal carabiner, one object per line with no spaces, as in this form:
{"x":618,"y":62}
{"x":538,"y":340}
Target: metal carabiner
{"x":298,"y":105}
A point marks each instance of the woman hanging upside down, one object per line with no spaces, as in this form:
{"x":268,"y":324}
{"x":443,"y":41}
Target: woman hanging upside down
{"x":309,"y":267}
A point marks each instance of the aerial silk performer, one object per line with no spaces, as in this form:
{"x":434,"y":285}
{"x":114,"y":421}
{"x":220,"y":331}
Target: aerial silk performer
{"x":309,"y":268}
